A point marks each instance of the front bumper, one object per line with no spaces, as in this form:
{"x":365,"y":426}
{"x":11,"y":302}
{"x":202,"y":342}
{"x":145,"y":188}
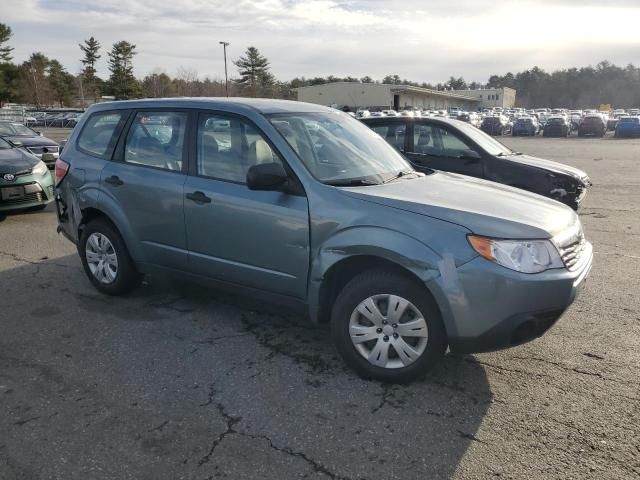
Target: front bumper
{"x":555,"y":132}
{"x":627,"y":132}
{"x":487,"y":307}
{"x":36,"y":193}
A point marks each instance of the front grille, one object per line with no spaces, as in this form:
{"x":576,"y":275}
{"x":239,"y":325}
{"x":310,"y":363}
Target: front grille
{"x":28,"y":198}
{"x":16,"y":174}
{"x":44,"y":149}
{"x":572,"y":252}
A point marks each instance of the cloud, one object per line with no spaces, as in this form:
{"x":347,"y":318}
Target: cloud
{"x":425,"y":40}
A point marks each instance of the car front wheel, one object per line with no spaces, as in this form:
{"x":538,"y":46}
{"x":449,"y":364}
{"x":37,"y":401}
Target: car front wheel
{"x":106,"y":260}
{"x":387,"y":327}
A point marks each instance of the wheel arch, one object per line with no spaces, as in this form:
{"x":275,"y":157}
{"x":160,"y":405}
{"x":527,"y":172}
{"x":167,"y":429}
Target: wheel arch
{"x":345,"y":256}
{"x":91,"y":213}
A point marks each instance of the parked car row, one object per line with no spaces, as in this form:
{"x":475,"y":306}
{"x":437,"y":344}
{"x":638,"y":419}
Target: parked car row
{"x":61,"y":119}
{"x":31,"y":141}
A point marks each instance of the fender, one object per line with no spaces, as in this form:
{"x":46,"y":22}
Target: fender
{"x":406,"y":252}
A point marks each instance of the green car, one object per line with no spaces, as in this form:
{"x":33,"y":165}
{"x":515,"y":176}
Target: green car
{"x":25,"y":181}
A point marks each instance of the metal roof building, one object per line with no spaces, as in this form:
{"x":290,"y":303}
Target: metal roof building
{"x":383,"y":96}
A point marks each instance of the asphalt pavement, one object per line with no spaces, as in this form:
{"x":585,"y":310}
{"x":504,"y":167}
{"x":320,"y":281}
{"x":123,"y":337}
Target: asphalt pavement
{"x":179,"y":382}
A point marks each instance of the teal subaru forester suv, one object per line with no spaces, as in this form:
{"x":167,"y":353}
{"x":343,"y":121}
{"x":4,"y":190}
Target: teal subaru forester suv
{"x":305,"y":206}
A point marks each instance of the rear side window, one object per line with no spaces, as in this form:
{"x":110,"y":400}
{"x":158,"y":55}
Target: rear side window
{"x":156,"y":139}
{"x":97,"y":136}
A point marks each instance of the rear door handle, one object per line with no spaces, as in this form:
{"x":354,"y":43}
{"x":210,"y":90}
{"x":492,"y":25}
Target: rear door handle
{"x":114,"y":180}
{"x":198,"y":197}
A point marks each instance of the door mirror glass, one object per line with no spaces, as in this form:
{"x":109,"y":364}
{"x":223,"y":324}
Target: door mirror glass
{"x":470,"y":155}
{"x":267,"y":176}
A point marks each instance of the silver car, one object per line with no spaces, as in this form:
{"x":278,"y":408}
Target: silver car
{"x":306,"y":206}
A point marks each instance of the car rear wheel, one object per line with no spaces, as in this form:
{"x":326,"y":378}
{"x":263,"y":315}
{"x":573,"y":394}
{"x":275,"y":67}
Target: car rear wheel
{"x":106,"y":260}
{"x":387,"y":327}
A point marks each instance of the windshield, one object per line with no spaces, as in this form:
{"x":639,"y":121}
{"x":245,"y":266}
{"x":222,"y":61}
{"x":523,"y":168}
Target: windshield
{"x":486,"y":142}
{"x":16,"y":129}
{"x":338,"y":149}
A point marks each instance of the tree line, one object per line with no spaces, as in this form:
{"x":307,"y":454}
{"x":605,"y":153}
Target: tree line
{"x":44,"y":82}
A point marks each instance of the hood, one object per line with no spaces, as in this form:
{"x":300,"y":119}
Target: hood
{"x":31,"y":141}
{"x":485,"y":208}
{"x":555,"y":167}
{"x":14,"y":160}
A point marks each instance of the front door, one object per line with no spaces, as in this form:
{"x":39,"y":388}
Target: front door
{"x":439,"y":148}
{"x":145,"y":182}
{"x":258,"y":239}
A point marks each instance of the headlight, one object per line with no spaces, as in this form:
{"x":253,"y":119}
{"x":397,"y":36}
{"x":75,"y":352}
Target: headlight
{"x":526,"y":256}
{"x":40,"y":169}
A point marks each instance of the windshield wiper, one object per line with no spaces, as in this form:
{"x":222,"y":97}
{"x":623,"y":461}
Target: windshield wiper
{"x":400,"y":174}
{"x":503,"y":154}
{"x":351,"y":182}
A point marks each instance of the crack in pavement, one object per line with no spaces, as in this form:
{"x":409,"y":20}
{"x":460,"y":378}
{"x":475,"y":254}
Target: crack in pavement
{"x":159,"y":427}
{"x":26,"y":420}
{"x":317,"y":466}
{"x":18,"y":258}
{"x":230,"y":420}
{"x":387,"y":393}
{"x":314,"y":363}
{"x":567,"y":368}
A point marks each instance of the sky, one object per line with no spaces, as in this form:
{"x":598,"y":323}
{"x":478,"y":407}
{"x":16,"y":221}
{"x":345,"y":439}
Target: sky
{"x":421,"y":40}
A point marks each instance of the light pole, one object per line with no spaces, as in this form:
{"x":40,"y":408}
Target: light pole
{"x":226,"y":79}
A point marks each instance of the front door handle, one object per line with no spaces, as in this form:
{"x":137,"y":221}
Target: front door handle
{"x":114,"y":180}
{"x":198,"y":197}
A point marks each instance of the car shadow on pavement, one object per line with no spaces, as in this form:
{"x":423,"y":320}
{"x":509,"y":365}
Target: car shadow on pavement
{"x":177,"y":381}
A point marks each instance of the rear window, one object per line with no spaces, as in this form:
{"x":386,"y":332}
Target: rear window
{"x":98,"y":134}
{"x":630,"y":120}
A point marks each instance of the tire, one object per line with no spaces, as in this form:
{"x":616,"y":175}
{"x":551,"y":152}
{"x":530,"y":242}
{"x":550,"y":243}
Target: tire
{"x":386,"y":286}
{"x":110,"y":279}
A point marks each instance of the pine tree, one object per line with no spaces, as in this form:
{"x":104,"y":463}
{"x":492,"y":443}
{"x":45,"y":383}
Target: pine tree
{"x":5,"y":50}
{"x":90,"y":49}
{"x":122,"y":82}
{"x":253,"y":68}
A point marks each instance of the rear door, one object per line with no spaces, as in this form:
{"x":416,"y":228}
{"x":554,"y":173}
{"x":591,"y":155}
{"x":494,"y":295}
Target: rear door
{"x":257,"y":239}
{"x":440,"y":148}
{"x":145,"y":184}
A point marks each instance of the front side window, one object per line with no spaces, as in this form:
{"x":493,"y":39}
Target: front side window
{"x":338,"y":149}
{"x":156,"y":139}
{"x":228,"y":146}
{"x":97,"y":134}
{"x":433,"y":140}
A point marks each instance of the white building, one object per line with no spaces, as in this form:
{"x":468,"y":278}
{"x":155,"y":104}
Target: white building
{"x":492,"y":97}
{"x":380,"y":96}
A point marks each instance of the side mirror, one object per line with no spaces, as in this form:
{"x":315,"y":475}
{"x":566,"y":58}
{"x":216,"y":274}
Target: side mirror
{"x":39,"y":133}
{"x":267,"y":176}
{"x":471,"y":155}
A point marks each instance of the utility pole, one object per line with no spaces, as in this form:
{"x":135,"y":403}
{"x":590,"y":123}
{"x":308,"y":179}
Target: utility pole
{"x":226,"y":78}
